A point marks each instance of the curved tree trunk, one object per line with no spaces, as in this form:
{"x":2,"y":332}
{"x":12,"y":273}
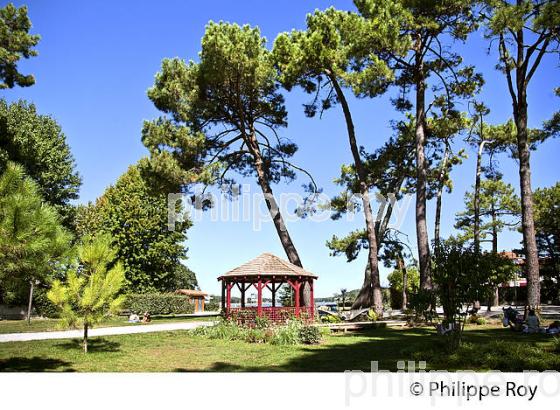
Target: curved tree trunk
{"x":276,"y":215}
{"x":370,"y":294}
{"x":421,"y":177}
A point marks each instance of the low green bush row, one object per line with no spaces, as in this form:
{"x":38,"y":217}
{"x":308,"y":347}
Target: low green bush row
{"x":158,"y":303}
{"x":293,"y":333}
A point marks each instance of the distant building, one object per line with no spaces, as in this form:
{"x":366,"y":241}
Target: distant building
{"x":197,"y":298}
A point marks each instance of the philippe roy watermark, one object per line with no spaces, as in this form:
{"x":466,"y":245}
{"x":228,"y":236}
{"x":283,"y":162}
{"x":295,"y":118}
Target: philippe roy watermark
{"x":238,"y":203}
{"x":412,"y":380}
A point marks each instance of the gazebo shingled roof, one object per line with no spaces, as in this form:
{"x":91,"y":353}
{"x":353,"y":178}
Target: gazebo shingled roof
{"x":268,"y":264}
{"x":268,"y":271}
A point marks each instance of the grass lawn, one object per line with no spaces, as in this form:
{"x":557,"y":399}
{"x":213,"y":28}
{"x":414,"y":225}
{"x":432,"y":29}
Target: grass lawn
{"x":49,"y":325}
{"x":485,"y":348}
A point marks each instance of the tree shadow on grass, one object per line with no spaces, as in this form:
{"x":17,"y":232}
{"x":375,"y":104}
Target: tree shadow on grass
{"x":34,"y":364}
{"x":483,"y":349}
{"x":222,"y":367}
{"x":94,"y":345}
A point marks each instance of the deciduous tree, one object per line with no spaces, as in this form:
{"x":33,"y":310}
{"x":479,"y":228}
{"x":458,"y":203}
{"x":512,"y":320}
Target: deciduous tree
{"x":136,"y":219}
{"x":37,"y":143}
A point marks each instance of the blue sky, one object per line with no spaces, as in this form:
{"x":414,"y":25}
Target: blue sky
{"x":97,"y":59}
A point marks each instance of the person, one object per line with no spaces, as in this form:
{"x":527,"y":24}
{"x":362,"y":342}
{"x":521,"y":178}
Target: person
{"x":133,"y":318}
{"x":147,"y":318}
{"x":532,"y":323}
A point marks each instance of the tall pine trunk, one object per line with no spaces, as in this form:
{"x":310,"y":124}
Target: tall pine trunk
{"x":402,"y":268}
{"x":527,"y":221}
{"x":496,"y":296}
{"x":476,"y":199}
{"x":370,"y":293}
{"x":441,"y":185}
{"x":421,"y":177}
{"x":276,"y":215}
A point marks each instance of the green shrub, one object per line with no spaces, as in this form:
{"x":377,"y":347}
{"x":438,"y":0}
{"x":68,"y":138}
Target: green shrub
{"x":556,"y":344}
{"x":309,"y":335}
{"x":43,"y":306}
{"x":158,"y":303}
{"x":331,"y":319}
{"x":261,"y":322}
{"x":213,"y":305}
{"x":224,"y":329}
{"x":371,"y":315}
{"x":287,"y":335}
{"x":477,"y":320}
{"x":293,"y":333}
{"x":256,"y":335}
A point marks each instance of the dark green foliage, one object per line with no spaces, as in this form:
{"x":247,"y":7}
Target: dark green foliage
{"x":184,"y":278}
{"x":462,"y":275}
{"x":43,"y":306}
{"x":223,"y":112}
{"x":32,"y":241}
{"x":15,"y":43}
{"x":293,"y":333}
{"x":136,"y":218}
{"x":158,"y":303}
{"x":421,"y":303}
{"x":499,"y":208}
{"x":310,"y":335}
{"x":547,"y":226}
{"x":37,"y":143}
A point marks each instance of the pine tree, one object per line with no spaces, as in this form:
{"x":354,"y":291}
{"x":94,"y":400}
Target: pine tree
{"x":223,"y":114}
{"x":524,"y":32}
{"x":15,"y":43}
{"x":430,"y":25}
{"x":90,"y":292}
{"x":32,"y":239}
{"x":337,"y":51}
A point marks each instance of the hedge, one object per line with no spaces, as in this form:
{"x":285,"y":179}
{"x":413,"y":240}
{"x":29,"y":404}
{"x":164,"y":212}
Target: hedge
{"x":158,"y":303}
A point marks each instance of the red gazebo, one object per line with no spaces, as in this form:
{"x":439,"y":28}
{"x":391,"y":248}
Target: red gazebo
{"x":267,"y":271}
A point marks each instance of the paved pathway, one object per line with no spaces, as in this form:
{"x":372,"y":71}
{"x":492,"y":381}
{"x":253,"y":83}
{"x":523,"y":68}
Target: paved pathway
{"x":102,"y":331}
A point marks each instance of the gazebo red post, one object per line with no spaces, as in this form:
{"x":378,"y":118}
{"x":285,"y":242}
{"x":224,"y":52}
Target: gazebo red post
{"x":223,"y":295}
{"x":228,"y":297}
{"x":259,"y":297}
{"x":296,"y":284}
{"x":312,"y":299}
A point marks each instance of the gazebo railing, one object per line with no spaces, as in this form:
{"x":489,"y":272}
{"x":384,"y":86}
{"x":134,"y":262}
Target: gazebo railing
{"x":275,"y":315}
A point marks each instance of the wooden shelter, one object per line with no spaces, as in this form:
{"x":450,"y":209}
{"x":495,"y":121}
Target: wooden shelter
{"x":270,"y":272}
{"x":197,"y":298}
